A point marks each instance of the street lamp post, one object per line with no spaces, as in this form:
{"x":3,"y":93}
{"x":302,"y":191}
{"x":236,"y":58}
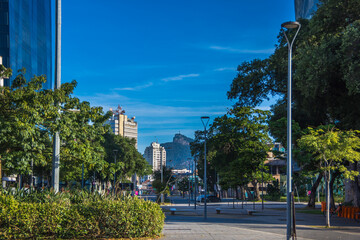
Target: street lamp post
{"x":189,"y":184}
{"x":205,"y":121}
{"x":289,"y":213}
{"x":162,"y":175}
{"x":195,"y":189}
{"x":192,"y":181}
{"x":56,"y":147}
{"x":262,"y":187}
{"x":115,"y":151}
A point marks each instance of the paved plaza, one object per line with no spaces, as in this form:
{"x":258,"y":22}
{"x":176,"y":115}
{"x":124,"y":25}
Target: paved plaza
{"x":234,"y":222}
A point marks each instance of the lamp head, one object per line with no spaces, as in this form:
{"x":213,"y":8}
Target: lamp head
{"x":290,"y":25}
{"x":205,"y":120}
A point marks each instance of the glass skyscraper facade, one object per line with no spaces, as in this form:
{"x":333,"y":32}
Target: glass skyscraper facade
{"x":25,"y":37}
{"x":305,"y":8}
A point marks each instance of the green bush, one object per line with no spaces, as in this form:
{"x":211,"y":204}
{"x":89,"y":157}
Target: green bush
{"x":273,"y":191}
{"x":78,"y":215}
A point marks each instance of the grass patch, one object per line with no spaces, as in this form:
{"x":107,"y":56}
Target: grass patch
{"x":309,"y":211}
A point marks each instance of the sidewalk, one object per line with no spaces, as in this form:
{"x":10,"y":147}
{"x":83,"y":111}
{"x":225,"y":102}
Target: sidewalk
{"x":235,"y":223}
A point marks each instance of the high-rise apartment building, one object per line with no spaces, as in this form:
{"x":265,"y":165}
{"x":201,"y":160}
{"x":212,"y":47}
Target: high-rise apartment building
{"x":122,"y":125}
{"x":155,"y":155}
{"x":25,"y":38}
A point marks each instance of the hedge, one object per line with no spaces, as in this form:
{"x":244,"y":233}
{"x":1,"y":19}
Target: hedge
{"x":95,"y":218}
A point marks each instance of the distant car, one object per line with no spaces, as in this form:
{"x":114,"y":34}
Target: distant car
{"x":200,"y":198}
{"x":208,"y":199}
{"x":213,"y":199}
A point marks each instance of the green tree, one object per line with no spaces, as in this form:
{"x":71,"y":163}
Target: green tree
{"x":29,"y":118}
{"x":197,"y":151}
{"x":165,"y":185}
{"x":24,"y":109}
{"x":326,"y":70}
{"x":333,"y":149}
{"x":240,"y":140}
{"x":129,"y":160}
{"x":183,"y":185}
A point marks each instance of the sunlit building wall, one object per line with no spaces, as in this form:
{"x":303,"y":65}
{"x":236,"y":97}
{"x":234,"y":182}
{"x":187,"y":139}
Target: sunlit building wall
{"x":123,"y":126}
{"x":154,"y":155}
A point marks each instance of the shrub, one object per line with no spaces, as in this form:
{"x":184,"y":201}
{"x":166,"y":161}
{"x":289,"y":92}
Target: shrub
{"x":273,"y":191}
{"x":78,"y":215}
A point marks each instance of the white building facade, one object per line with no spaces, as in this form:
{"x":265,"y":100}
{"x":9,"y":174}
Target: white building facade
{"x":155,"y":155}
{"x":122,"y":125}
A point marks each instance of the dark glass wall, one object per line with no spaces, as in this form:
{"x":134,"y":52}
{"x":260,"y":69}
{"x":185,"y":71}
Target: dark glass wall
{"x":29,"y":38}
{"x":305,"y":8}
{"x":4,"y":33}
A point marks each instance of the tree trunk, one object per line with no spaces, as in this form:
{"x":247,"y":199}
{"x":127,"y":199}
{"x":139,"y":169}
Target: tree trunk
{"x":357,"y":192}
{"x":312,"y":197}
{"x":237,"y":193}
{"x":256,"y":191}
{"x":0,"y":172}
{"x":327,"y":177}
{"x":352,"y":188}
{"x":243,"y":196}
{"x":250,"y":196}
{"x":335,"y":175}
{"x":233,"y":195}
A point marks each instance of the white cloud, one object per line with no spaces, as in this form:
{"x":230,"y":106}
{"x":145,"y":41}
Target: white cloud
{"x":180,"y":77}
{"x":225,"y":69}
{"x":134,"y":88}
{"x":237,"y":50}
{"x":146,"y":110}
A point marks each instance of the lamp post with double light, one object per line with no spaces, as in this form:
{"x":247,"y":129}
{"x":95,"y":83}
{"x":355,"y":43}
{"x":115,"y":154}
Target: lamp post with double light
{"x":56,"y":139}
{"x":289,"y":26}
{"x":205,"y":121}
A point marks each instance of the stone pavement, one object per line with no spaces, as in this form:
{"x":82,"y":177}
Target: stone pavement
{"x":235,"y":223}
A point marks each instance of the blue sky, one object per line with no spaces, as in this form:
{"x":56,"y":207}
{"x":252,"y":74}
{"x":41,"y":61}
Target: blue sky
{"x":165,"y":62}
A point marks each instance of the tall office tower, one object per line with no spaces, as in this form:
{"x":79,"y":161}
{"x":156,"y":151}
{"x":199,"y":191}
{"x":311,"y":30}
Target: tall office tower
{"x":25,"y":38}
{"x":305,"y":8}
{"x":154,"y":154}
{"x":122,"y":125}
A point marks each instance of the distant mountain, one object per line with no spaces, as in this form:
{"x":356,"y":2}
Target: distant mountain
{"x":178,"y":151}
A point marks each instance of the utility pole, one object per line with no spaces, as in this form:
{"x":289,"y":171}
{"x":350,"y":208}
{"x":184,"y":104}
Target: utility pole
{"x":56,"y":145}
{"x":162,"y":174}
{"x":82,"y":176}
{"x":115,"y":151}
{"x":1,"y":85}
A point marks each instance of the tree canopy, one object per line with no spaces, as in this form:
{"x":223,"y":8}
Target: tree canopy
{"x":326,"y":78}
{"x":326,"y":68}
{"x":237,"y":147}
{"x":29,"y":118}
